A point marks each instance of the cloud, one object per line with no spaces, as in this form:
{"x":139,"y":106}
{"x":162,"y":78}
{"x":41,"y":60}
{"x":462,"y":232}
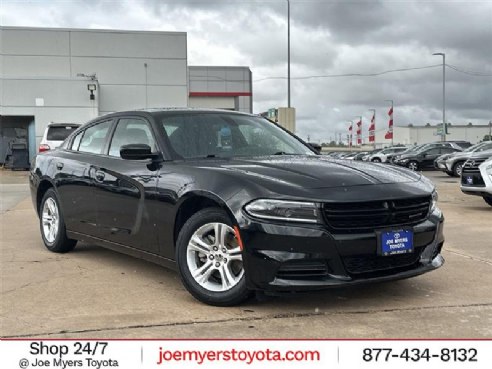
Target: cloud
{"x":327,"y":37}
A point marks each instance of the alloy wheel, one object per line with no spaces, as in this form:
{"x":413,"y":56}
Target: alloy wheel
{"x":413,"y":165}
{"x":214,"y":257}
{"x":51,"y":219}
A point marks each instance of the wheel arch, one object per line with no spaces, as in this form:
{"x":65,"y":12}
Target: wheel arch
{"x":193,"y":202}
{"x":43,"y":187}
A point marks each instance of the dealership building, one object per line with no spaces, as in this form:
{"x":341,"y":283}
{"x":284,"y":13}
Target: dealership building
{"x":74,"y":75}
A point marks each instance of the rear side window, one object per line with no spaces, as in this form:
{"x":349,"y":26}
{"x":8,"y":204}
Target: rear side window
{"x":94,"y":138}
{"x":131,"y":131}
{"x":59,"y":133}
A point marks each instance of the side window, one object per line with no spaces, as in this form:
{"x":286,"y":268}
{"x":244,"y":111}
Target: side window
{"x":434,"y":151}
{"x":131,"y":131}
{"x":94,"y":138}
{"x":76,"y":141}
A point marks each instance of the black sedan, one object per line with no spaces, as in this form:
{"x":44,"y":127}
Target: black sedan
{"x":423,"y":159}
{"x":235,"y":203}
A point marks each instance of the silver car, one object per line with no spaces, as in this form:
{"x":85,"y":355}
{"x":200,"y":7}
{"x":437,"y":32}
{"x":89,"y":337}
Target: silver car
{"x":454,"y":163}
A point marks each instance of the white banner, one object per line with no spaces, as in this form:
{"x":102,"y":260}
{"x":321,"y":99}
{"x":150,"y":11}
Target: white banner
{"x":239,"y":354}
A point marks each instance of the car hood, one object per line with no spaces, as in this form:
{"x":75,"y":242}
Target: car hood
{"x":312,"y":172}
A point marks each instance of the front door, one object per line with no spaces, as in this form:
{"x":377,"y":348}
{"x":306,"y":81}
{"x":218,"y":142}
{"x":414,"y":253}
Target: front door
{"x":125,"y":189}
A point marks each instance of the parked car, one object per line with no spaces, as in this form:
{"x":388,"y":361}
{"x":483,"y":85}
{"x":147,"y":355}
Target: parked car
{"x":360,"y":155}
{"x":234,"y":203}
{"x":382,"y":156}
{"x":366,"y":157}
{"x":423,"y":159}
{"x":421,"y":147}
{"x":55,"y":134}
{"x":476,"y":177}
{"x":454,"y":163}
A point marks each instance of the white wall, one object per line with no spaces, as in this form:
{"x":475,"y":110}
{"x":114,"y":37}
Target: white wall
{"x":44,"y":63}
{"x":229,"y":87}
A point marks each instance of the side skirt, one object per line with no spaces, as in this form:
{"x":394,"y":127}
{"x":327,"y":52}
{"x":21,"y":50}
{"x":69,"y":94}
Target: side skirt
{"x":140,"y":254}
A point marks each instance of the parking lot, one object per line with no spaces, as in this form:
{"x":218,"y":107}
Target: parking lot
{"x":97,"y":293}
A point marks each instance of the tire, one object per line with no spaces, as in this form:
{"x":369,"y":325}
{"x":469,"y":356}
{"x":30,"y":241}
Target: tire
{"x":413,"y":165}
{"x":451,"y":174}
{"x":457,"y":168}
{"x":223,"y":282}
{"x":52,"y":224}
{"x":376,"y":160}
{"x":488,"y":199}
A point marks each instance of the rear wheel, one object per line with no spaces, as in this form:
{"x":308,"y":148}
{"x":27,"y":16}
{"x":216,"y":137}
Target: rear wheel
{"x":488,"y":199}
{"x":210,"y":259}
{"x":458,"y":168}
{"x":413,"y":165}
{"x":52,"y":224}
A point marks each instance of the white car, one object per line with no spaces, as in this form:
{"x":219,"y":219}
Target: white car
{"x":476,"y":177}
{"x":55,"y":134}
{"x":382,"y":156}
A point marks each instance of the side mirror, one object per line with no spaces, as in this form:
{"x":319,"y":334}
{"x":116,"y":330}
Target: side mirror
{"x":137,"y":152}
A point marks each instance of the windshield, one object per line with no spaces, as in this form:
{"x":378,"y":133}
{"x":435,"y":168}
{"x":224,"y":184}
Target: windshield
{"x":474,"y":147}
{"x":228,"y":135}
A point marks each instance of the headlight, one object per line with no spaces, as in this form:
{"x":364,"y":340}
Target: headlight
{"x":488,"y":169}
{"x":292,"y":211}
{"x":435,"y":197}
{"x":403,"y":161}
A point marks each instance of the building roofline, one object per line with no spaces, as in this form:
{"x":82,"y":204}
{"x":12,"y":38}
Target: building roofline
{"x":219,"y":66}
{"x":64,"y":29}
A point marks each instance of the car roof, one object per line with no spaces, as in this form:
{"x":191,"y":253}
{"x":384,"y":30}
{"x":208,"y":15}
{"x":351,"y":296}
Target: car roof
{"x":64,"y":124}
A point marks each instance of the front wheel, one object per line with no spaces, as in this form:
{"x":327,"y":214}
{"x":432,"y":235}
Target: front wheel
{"x":52,"y":224}
{"x":209,"y":259}
{"x":488,"y":199}
{"x":376,"y":160}
{"x":457,"y":169}
{"x":413,"y":165}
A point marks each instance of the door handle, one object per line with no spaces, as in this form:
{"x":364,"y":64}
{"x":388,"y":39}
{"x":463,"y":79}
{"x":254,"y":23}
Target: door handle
{"x":59,"y":166}
{"x":99,"y":176}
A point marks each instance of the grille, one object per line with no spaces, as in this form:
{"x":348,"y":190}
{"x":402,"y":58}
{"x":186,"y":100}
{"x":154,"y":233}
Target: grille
{"x":472,"y":172}
{"x":350,"y":217}
{"x":303,"y":269}
{"x":361,"y":264}
{"x":471,"y":165}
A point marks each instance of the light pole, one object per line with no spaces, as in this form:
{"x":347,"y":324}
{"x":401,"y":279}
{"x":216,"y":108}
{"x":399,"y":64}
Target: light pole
{"x":373,"y":121}
{"x":443,"y":132}
{"x":288,"y":53}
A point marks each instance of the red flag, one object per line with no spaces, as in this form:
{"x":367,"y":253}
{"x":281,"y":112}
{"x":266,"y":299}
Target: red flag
{"x":359,"y":132}
{"x":350,"y":135}
{"x":389,"y":134}
{"x":372,"y":129}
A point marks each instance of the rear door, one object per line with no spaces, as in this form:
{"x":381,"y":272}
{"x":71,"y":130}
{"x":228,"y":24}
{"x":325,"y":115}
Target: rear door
{"x":126,"y":189}
{"x":429,"y":156}
{"x":75,"y":173}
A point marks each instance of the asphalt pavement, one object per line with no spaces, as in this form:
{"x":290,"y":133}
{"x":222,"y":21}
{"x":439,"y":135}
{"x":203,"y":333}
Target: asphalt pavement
{"x":96,"y":293}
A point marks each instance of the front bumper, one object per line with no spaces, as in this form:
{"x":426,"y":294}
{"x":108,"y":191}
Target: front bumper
{"x":286,"y":257}
{"x":481,"y":190}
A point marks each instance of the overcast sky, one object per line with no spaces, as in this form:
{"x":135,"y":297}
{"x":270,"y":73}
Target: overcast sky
{"x":327,"y":38}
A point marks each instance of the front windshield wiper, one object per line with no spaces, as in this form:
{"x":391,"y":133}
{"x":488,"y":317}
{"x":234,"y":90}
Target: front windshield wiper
{"x":285,"y":153}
